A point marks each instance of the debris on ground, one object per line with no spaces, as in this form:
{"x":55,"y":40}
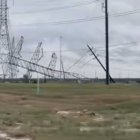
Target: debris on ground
{"x":5,"y":136}
{"x":81,"y":114}
{"x":86,"y":129}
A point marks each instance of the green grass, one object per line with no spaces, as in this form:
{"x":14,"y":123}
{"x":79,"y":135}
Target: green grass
{"x":24,"y":113}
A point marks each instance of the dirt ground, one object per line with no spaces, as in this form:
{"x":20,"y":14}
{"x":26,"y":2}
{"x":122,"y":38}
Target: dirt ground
{"x":69,"y":112}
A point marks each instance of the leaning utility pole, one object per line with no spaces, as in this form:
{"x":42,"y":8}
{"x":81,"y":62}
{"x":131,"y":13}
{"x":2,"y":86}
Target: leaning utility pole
{"x":96,"y":57}
{"x":107,"y":42}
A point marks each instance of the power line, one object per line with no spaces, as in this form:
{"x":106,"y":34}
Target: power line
{"x":112,"y":46}
{"x":137,"y":11}
{"x":126,"y":69}
{"x":75,"y":63}
{"x":61,"y":7}
{"x":85,"y":19}
{"x":87,"y":62}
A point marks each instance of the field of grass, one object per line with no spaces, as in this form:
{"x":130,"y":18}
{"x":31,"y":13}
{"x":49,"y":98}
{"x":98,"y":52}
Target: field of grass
{"x":70,"y":111}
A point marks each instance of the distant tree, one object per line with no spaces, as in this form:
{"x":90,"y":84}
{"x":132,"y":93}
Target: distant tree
{"x":26,"y":78}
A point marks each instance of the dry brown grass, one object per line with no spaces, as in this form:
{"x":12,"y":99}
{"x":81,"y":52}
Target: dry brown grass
{"x":106,"y":111}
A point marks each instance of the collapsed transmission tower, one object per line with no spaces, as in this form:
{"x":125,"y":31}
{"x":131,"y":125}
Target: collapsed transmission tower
{"x":37,"y":55}
{"x":41,"y":69}
{"x":15,"y":50}
{"x":10,"y":58}
{"x":52,"y":63}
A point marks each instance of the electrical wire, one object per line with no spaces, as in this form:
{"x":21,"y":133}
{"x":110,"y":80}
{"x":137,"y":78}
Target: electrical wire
{"x":112,"y":46}
{"x":137,"y":11}
{"x":126,"y":69}
{"x":84,"y":19}
{"x":82,"y":66}
{"x":75,"y":63}
{"x":60,"y":8}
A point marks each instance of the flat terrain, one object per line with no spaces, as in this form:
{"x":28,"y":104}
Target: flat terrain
{"x":70,"y":111}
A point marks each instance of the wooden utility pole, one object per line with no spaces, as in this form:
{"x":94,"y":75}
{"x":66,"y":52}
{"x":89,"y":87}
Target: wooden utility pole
{"x":107,"y":42}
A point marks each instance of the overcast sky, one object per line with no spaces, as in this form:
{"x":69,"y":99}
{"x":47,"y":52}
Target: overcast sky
{"x":42,"y":20}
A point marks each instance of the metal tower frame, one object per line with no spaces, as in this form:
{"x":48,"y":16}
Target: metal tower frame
{"x":41,"y":69}
{"x":4,"y":33}
{"x":37,"y":55}
{"x":53,"y":62}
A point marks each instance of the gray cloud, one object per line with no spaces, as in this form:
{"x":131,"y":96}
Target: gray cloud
{"x":26,"y":19}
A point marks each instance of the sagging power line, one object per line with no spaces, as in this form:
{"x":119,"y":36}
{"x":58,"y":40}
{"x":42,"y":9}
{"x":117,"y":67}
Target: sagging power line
{"x":98,"y":47}
{"x":85,"y":3}
{"x":82,"y":20}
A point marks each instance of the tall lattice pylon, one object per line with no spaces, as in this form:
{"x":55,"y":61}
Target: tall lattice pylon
{"x":4,"y":33}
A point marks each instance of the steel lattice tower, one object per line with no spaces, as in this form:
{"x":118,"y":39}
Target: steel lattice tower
{"x":6,"y":46}
{"x":4,"y":32}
